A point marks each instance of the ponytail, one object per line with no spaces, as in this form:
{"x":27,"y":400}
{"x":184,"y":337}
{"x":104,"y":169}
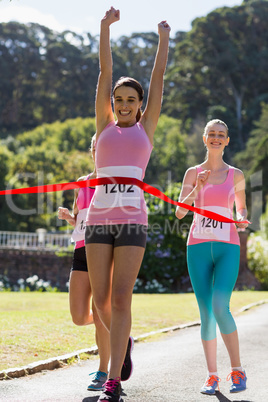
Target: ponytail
{"x":139,"y":114}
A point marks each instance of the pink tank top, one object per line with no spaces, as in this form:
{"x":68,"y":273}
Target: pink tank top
{"x":120,"y":151}
{"x":83,"y":201}
{"x":217,"y":198}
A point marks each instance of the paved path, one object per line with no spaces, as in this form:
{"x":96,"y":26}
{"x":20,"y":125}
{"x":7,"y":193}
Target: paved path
{"x":169,"y":368}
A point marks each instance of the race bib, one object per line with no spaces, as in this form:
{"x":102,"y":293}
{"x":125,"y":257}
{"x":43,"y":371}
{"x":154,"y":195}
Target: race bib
{"x":118,"y":195}
{"x":209,"y":229}
{"x":80,"y":227}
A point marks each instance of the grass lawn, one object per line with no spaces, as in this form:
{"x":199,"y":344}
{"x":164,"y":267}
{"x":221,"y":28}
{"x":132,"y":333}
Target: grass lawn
{"x":36,"y":326}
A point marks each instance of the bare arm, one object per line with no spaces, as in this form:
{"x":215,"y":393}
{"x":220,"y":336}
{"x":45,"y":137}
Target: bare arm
{"x":152,"y":110}
{"x":240,"y":198}
{"x":65,"y":214}
{"x":104,"y":111}
{"x":191,"y":186}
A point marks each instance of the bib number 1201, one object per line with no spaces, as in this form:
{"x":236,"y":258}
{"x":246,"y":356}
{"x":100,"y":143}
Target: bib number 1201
{"x":208,"y":223}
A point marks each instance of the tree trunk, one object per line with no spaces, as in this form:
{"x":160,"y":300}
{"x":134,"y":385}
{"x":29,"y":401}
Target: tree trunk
{"x":238,"y":97}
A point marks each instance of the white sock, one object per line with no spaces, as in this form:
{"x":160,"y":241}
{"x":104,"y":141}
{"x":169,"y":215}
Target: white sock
{"x":237,"y":368}
{"x":210,"y":373}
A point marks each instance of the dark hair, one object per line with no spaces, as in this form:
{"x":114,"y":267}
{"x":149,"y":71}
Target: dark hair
{"x":132,"y":83}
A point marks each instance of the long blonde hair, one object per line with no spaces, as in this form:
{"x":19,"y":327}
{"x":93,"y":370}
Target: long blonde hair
{"x":93,"y":142}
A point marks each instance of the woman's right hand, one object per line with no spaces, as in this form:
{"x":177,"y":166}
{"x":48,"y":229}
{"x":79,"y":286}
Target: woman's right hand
{"x":111,"y":16}
{"x":202,"y":179}
{"x":64,"y":213}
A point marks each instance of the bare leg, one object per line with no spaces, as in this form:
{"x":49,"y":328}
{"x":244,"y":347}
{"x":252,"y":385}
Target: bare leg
{"x":232,"y":344}
{"x":127,"y":262}
{"x":100,"y":263}
{"x":210,"y":350}
{"x":79,"y":298}
{"x":102,"y":340}
{"x":114,"y":309}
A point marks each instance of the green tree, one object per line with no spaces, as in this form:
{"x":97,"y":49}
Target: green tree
{"x":48,"y":154}
{"x":134,"y":56}
{"x":222,"y":61}
{"x":45,"y":76}
{"x":164,"y":267}
{"x":255,"y":157}
{"x":5,"y":214}
{"x":48,"y":76}
{"x":19,"y":64}
{"x":168,"y":160}
{"x":58,"y":152}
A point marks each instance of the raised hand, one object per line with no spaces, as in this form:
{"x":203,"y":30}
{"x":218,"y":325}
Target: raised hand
{"x":163,"y":28}
{"x":111,"y":16}
{"x":63,"y":213}
{"x":202,"y":178}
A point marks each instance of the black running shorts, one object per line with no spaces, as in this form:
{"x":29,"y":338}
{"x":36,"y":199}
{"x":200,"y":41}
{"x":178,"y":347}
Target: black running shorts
{"x":79,"y":260}
{"x":117,"y":235}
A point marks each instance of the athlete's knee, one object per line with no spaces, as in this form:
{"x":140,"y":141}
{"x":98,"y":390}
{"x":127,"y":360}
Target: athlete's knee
{"x":220,"y":310}
{"x":224,"y":318}
{"x":121,"y":300}
{"x":81,"y":319}
{"x":102,"y":303}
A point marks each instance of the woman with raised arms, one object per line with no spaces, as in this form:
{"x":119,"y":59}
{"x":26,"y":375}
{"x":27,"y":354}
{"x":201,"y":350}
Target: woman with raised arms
{"x":117,"y":217}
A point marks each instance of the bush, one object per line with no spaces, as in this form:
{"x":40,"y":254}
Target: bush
{"x":257,"y":248}
{"x":4,"y":283}
{"x":31,"y":284}
{"x":164,"y":268}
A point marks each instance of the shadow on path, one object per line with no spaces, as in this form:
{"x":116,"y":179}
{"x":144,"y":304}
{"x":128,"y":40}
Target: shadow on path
{"x":223,"y":398}
{"x":96,"y":397}
{"x":91,"y":399}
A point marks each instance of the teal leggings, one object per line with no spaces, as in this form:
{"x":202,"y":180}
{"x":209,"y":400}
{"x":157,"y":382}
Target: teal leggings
{"x":213,"y":269}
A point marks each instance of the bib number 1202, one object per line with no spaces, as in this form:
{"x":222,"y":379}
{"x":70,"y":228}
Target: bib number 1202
{"x":118,"y":188}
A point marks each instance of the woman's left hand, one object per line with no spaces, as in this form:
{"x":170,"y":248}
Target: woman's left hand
{"x":242,"y":225}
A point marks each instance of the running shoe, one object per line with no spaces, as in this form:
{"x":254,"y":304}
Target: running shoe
{"x":239,"y":380}
{"x":127,"y":367}
{"x":112,"y":391}
{"x":212,"y":382}
{"x":98,"y":380}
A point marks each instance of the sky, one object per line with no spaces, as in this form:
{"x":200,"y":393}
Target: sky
{"x":84,"y":15}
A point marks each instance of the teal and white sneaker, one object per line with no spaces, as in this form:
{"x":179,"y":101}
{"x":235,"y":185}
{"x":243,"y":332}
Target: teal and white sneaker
{"x":239,"y":380}
{"x":97,"y":382}
{"x":211,"y":383}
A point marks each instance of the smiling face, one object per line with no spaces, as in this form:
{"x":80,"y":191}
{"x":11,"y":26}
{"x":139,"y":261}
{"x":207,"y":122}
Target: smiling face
{"x":216,"y":137}
{"x":126,"y":105}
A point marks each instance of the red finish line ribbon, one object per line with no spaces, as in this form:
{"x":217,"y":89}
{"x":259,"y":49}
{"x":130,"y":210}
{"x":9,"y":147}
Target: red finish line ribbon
{"x":118,"y":180}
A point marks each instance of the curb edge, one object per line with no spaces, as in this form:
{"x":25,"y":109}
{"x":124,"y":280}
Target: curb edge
{"x":59,"y":361}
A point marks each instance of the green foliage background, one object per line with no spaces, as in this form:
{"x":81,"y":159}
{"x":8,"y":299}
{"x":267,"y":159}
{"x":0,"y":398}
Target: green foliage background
{"x":216,"y":70}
